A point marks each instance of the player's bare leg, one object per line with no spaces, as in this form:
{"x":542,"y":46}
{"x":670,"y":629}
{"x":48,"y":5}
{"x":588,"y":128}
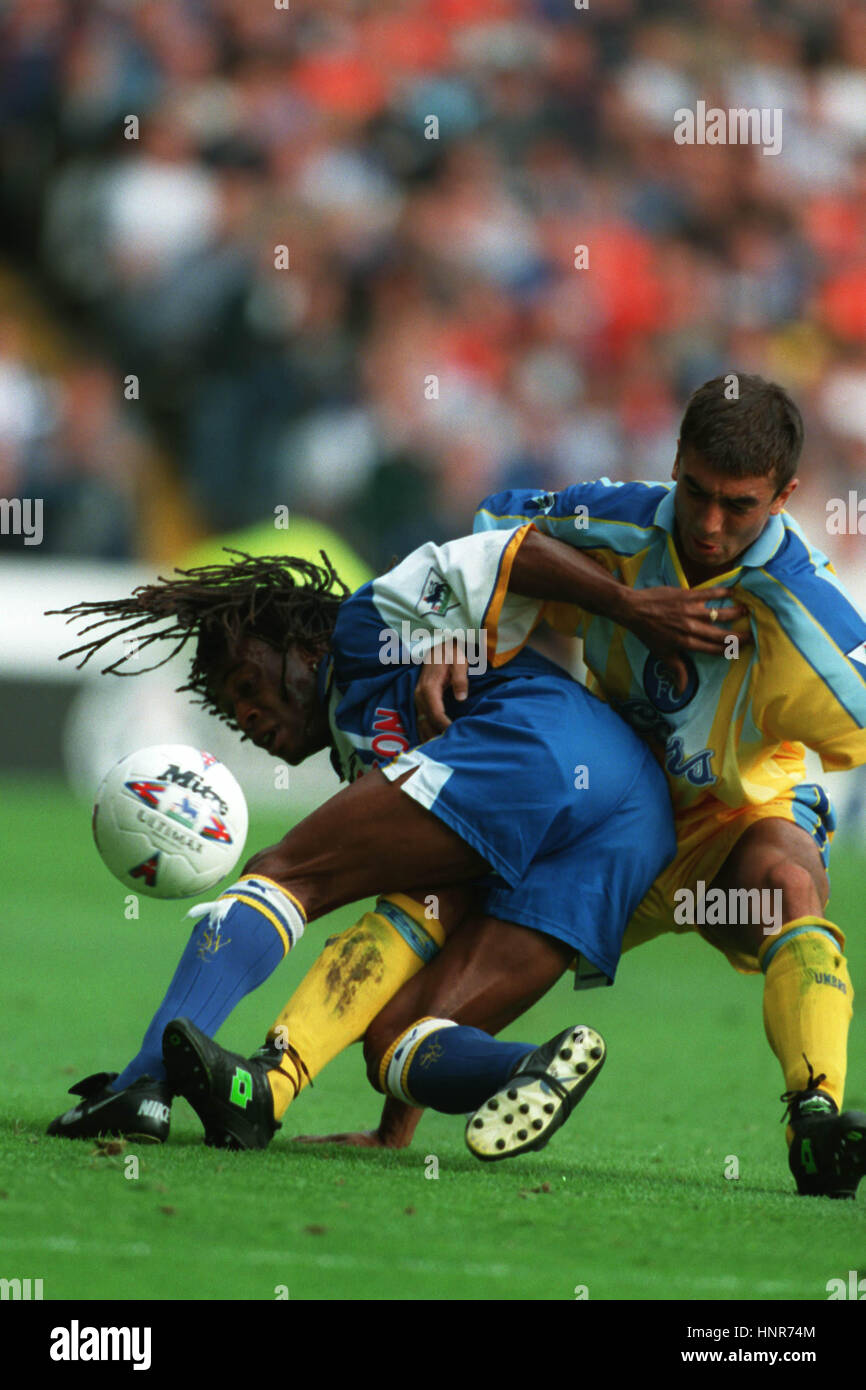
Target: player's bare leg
{"x":369,"y":837}
{"x":807,"y":999}
{"x":775,"y":854}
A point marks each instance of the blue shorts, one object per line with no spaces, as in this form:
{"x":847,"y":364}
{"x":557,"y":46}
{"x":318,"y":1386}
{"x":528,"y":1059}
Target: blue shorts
{"x":561,"y":797}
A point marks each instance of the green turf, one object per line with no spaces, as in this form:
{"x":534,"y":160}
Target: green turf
{"x":630,"y":1200}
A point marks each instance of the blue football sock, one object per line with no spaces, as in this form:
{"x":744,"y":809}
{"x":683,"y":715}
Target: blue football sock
{"x":449,"y":1067}
{"x":237,"y":943}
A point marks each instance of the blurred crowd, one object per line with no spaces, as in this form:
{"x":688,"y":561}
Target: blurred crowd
{"x":429,"y":167}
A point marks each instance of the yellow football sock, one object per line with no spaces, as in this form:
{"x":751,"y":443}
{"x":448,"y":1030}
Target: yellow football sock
{"x":807,"y":1003}
{"x":353,"y":978}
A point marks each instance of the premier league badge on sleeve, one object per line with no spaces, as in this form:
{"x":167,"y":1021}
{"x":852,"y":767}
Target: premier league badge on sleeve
{"x":437,"y":596}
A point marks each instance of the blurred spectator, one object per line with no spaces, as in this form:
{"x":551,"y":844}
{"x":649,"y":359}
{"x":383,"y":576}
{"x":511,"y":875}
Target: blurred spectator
{"x":432,"y":168}
{"x":73,"y":449}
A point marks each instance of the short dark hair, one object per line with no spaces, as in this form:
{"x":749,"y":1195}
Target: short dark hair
{"x":755,"y":433}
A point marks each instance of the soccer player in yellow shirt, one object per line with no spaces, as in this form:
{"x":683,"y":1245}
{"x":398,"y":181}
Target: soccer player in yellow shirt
{"x":730,"y":728}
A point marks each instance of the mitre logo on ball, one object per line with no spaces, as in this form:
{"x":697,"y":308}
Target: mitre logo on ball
{"x":170,"y":821}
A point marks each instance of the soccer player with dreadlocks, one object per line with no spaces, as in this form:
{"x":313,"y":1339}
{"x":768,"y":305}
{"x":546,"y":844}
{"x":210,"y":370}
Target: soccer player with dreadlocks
{"x":539,"y":810}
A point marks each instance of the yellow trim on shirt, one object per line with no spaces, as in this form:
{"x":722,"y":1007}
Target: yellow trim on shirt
{"x":493,"y":611}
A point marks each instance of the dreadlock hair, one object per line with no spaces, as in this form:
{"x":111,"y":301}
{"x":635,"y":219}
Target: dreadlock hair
{"x":279,"y":599}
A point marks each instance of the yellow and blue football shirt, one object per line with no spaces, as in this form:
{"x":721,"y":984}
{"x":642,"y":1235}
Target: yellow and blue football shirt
{"x":737,"y":732}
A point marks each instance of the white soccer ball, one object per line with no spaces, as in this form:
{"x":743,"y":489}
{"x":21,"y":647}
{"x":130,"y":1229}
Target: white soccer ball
{"x":170,"y":821}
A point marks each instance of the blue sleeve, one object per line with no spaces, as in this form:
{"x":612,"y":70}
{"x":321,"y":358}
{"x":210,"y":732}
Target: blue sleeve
{"x":618,"y":516}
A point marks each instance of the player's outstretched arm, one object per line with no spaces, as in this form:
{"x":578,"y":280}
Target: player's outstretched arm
{"x":669,"y":621}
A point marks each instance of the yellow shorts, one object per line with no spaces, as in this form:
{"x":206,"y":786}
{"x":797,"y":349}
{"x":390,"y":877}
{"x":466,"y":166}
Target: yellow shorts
{"x":706,"y":834}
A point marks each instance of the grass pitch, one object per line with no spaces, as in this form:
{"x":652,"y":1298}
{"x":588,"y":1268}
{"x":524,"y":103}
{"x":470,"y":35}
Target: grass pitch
{"x":630,"y":1201}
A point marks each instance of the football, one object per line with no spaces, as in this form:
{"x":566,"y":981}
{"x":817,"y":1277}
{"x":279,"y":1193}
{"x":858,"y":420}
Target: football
{"x":170,"y":821}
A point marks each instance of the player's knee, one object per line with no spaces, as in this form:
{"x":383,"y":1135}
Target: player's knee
{"x":275,"y":864}
{"x":268,"y":862}
{"x":797,"y":886}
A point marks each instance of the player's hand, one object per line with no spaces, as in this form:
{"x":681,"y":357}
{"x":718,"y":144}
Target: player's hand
{"x":360,"y":1139}
{"x":437,"y":678}
{"x":397,"y":1125}
{"x":671,"y":621}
